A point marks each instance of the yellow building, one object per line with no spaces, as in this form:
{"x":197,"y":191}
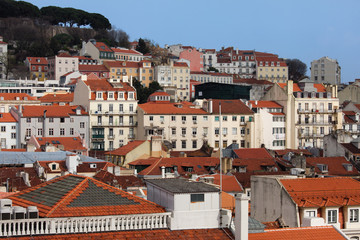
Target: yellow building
{"x":38,"y":68}
{"x":142,"y":71}
{"x":271,"y":68}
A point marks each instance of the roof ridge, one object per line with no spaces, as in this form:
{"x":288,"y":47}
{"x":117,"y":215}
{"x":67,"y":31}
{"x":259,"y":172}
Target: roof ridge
{"x":298,"y":228}
{"x":69,"y":194}
{"x":154,"y":165}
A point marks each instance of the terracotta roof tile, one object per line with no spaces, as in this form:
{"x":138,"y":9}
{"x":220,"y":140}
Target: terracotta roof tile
{"x":350,"y":147}
{"x":265,"y":104}
{"x":14,"y":96}
{"x":321,"y":192}
{"x":229,"y":182}
{"x":122,"y":151}
{"x":254,"y":164}
{"x":163,"y":234}
{"x":92,"y":68}
{"x":251,"y":81}
{"x":306,"y":233}
{"x":37,"y":60}
{"x":171,"y":108}
{"x":230,"y":107}
{"x":121,"y":64}
{"x":71,"y":144}
{"x":51,"y":111}
{"x":180,"y":64}
{"x":104,"y":85}
{"x":16,"y":181}
{"x":281,"y":153}
{"x":126,"y":51}
{"x":80,"y":197}
{"x":124,"y":182}
{"x":211,"y":73}
{"x":336,"y":165}
{"x":244,"y":178}
{"x":7,"y":118}
{"x":57,"y":98}
{"x":102,"y":47}
{"x":252,"y":153}
{"x":320,"y":87}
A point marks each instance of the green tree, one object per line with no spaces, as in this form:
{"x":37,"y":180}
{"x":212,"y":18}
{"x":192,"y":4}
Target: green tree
{"x":296,"y":68}
{"x":61,"y":41}
{"x":212,"y":69}
{"x":142,"y":46}
{"x":143,"y":93}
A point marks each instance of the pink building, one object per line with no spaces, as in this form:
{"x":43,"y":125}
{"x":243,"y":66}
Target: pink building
{"x":194,"y":56}
{"x":192,"y":88}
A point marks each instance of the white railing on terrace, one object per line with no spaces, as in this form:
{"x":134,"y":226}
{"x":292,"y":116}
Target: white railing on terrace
{"x":42,"y":226}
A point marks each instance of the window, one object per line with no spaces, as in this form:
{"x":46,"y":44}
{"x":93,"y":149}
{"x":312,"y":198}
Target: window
{"x":121,"y":108}
{"x":330,"y":106}
{"x":40,"y":132}
{"x":62,"y":131}
{"x":332,"y":216}
{"x":225,"y":118}
{"x":121,"y":95}
{"x":173,"y":118}
{"x":183,"y":131}
{"x":3,"y":128}
{"x":242,"y":131}
{"x":131,"y":95}
{"x":173,"y":144}
{"x":217,"y":131}
{"x":197,"y":198}
{"x":99,"y":94}
{"x":194,"y":118}
{"x":224,"y":131}
{"x":162,"y":119}
{"x":234,"y":118}
{"x":131,"y":107}
{"x":242,"y":143}
{"x":354,"y":215}
{"x":242,"y":119}
{"x":71,"y":131}
{"x":51,"y":120}
{"x":51,"y":132}
{"x":28,"y":120}
{"x":216,"y":118}
{"x":183,"y":118}
{"x":194,"y":131}
{"x":151,"y":118}
{"x":111,"y":107}
{"x":310,"y":213}
{"x":205,"y":118}
{"x":62,"y":120}
{"x":82,"y":124}
{"x":234,"y":131}
{"x":13,"y":135}
{"x":71,"y":119}
{"x":173,"y":131}
{"x":194,"y":144}
{"x":183,"y":144}
{"x":217,"y":144}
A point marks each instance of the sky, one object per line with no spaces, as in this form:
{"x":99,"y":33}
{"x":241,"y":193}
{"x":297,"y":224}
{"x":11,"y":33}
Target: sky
{"x":306,"y":30}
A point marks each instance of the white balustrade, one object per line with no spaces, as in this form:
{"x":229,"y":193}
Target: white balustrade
{"x":41,"y":226}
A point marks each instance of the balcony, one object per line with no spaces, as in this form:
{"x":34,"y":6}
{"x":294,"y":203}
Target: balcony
{"x":131,"y":136}
{"x":114,"y":124}
{"x":111,"y":136}
{"x":242,"y":123}
{"x":46,"y":226}
{"x":112,"y":112}
{"x":311,"y":135}
{"x":99,"y":136}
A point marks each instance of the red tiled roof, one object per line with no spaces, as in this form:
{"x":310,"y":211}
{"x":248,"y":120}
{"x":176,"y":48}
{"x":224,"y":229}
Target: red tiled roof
{"x":170,"y":108}
{"x":51,"y":111}
{"x":7,"y":117}
{"x":57,"y":98}
{"x":281,"y":153}
{"x":123,"y":150}
{"x":71,"y":144}
{"x":92,"y":68}
{"x":104,"y":85}
{"x":73,"y":201}
{"x":227,"y":201}
{"x":304,"y":233}
{"x":13,"y":96}
{"x":102,"y":47}
{"x":199,"y":164}
{"x":251,"y":81}
{"x":16,"y":181}
{"x":121,"y":64}
{"x":357,"y":106}
{"x":265,"y":104}
{"x":159,"y":93}
{"x":270,"y":59}
{"x":229,"y":182}
{"x":124,"y":182}
{"x":180,"y":64}
{"x":127,"y":51}
{"x":350,"y":147}
{"x":155,"y":234}
{"x":5,"y":194}
{"x":64,"y":54}
{"x":37,"y":60}
{"x":335,"y":165}
{"x":230,"y":107}
{"x":252,"y":153}
{"x":349,"y":113}
{"x":13,"y":150}
{"x":320,"y":87}
{"x":244,"y":178}
{"x":211,"y":73}
{"x":322,"y":192}
{"x":254,"y":164}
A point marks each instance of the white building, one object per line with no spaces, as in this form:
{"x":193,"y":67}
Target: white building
{"x":112,"y":108}
{"x":8,"y":131}
{"x":326,"y":70}
{"x":61,"y":64}
{"x":205,"y":77}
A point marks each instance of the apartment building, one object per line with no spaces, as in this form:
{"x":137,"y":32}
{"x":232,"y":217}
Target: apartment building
{"x":3,"y":57}
{"x":112,"y":110}
{"x":8,"y":131}
{"x":271,"y":68}
{"x":51,"y":121}
{"x":311,"y":110}
{"x":38,"y":68}
{"x":326,"y":70}
{"x":98,"y":51}
{"x":194,"y":56}
{"x":61,"y":64}
{"x":142,"y":71}
{"x":209,"y":58}
{"x":130,"y":55}
{"x":204,"y":77}
{"x":8,"y":100}
{"x":270,"y":124}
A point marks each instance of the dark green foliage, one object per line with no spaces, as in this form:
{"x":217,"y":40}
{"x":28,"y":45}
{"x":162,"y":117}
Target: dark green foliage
{"x":10,"y":8}
{"x":212,"y":69}
{"x":142,"y":46}
{"x":297,"y":69}
{"x":142,"y":92}
{"x":61,"y":42}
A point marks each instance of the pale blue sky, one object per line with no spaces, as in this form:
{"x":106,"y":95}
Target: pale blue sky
{"x":306,"y":29}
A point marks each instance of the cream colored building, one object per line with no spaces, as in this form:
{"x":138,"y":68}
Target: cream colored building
{"x":187,"y":126}
{"x":351,"y":92}
{"x":311,"y":111}
{"x":272,"y":69}
{"x":112,"y":110}
{"x":61,"y":64}
{"x":176,"y":77}
{"x":326,"y":70}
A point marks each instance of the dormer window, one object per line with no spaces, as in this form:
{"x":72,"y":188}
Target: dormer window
{"x":261,"y":64}
{"x":99,"y":95}
{"x":131,"y":95}
{"x":323,"y":167}
{"x":121,"y":95}
{"x":111,"y":95}
{"x":348,"y":167}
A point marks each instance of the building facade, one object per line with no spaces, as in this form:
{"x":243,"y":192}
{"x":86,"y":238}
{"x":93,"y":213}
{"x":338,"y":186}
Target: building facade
{"x":326,"y":70}
{"x":8,"y":131}
{"x":61,"y":64}
{"x":38,"y":68}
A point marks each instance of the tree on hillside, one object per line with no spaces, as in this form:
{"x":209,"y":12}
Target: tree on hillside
{"x":297,"y":69}
{"x":143,"y":46}
{"x":119,"y":37}
{"x":212,"y":69}
{"x":11,"y":8}
{"x":143,"y":93}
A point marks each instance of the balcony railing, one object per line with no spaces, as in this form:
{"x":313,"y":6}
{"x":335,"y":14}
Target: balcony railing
{"x":42,"y":226}
{"x":113,"y":112}
{"x":115,"y":124}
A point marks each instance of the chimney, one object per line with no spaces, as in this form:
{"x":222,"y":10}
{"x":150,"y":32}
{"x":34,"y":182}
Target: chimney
{"x":290,"y":87}
{"x":25,"y":177}
{"x":241,"y":217}
{"x":162,"y":172}
{"x":210,"y":106}
{"x":117,"y":171}
{"x":155,"y":145}
{"x":84,"y":78}
{"x":110,"y":169}
{"x":72,"y":163}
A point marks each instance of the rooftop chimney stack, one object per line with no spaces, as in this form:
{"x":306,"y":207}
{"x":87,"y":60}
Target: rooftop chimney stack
{"x":241,"y":217}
